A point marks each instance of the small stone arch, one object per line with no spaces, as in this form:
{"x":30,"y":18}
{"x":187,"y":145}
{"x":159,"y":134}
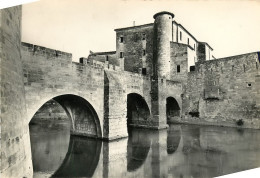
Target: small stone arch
{"x":138,"y":112}
{"x":173,"y":109}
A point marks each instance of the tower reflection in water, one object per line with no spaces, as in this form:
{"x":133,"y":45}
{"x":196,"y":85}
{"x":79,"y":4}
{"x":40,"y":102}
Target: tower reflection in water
{"x":180,"y":151}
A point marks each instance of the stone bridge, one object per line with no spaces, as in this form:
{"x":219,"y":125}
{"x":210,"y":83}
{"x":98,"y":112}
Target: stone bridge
{"x":99,"y":101}
{"x":102,"y":100}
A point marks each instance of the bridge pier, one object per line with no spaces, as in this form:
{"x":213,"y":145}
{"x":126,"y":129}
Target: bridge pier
{"x":158,"y":104}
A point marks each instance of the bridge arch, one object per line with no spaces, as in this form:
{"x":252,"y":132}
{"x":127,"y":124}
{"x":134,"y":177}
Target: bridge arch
{"x":173,"y":109}
{"x":138,"y":112}
{"x":83,"y":116}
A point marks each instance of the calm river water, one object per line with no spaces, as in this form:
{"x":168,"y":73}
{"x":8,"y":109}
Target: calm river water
{"x":180,"y":151}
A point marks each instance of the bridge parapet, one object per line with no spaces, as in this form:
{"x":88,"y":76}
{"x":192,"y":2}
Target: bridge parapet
{"x":43,"y":51}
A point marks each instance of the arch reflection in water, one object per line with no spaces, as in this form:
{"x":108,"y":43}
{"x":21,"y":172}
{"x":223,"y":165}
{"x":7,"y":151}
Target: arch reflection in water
{"x":81,"y":159}
{"x":49,"y":145}
{"x":173,"y":138}
{"x":138,"y":146}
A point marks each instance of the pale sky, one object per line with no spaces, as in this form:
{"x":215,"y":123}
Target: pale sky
{"x":77,"y":26}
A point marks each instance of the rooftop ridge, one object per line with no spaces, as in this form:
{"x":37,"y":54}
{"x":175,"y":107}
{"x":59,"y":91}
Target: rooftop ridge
{"x":132,"y":27}
{"x":102,"y":53}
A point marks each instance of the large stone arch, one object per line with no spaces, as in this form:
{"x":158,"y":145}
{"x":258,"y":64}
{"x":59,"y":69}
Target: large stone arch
{"x":138,"y":111}
{"x":83,"y":116}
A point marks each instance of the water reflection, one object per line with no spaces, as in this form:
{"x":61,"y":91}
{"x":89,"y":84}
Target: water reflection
{"x":49,"y":145}
{"x":173,"y":138}
{"x":138,"y":146}
{"x":180,"y":151}
{"x":81,"y":159}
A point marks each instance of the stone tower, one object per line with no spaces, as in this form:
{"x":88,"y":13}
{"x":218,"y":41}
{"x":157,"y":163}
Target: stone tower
{"x":161,"y":67}
{"x":162,"y":37}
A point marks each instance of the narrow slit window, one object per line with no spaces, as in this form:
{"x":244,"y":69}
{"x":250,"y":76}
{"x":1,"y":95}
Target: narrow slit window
{"x":106,"y":58}
{"x":180,"y":35}
{"x":144,"y":52}
{"x":121,"y":54}
{"x":144,"y":71}
{"x":121,"y":39}
{"x":178,"y":68}
{"x":144,"y":36}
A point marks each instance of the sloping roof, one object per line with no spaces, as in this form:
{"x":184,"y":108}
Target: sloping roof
{"x":102,"y":53}
{"x":134,"y":27}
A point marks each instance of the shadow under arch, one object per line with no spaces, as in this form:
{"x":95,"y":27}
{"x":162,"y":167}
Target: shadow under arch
{"x":138,"y":146}
{"x":138,"y":112}
{"x":172,"y":108}
{"x":81,"y":159}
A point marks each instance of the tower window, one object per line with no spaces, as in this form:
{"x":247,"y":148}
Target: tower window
{"x":121,"y":39}
{"x":135,"y":37}
{"x":144,"y":71}
{"x":180,"y":35}
{"x":143,"y":36}
{"x":192,"y":68}
{"x":178,"y":68}
{"x":106,"y":58}
{"x":144,"y":52}
{"x":121,"y":54}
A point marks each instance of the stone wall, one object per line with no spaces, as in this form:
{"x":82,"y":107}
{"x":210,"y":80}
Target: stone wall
{"x":110,"y":57}
{"x":136,"y":40}
{"x":225,"y":92}
{"x":15,"y":140}
{"x":50,"y":73}
{"x":179,"y":56}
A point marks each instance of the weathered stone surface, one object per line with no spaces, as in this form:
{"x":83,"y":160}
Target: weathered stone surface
{"x":15,"y":140}
{"x":224,"y":91}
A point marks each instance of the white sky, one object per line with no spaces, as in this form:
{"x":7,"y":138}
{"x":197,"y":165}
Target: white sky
{"x":77,"y":26}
